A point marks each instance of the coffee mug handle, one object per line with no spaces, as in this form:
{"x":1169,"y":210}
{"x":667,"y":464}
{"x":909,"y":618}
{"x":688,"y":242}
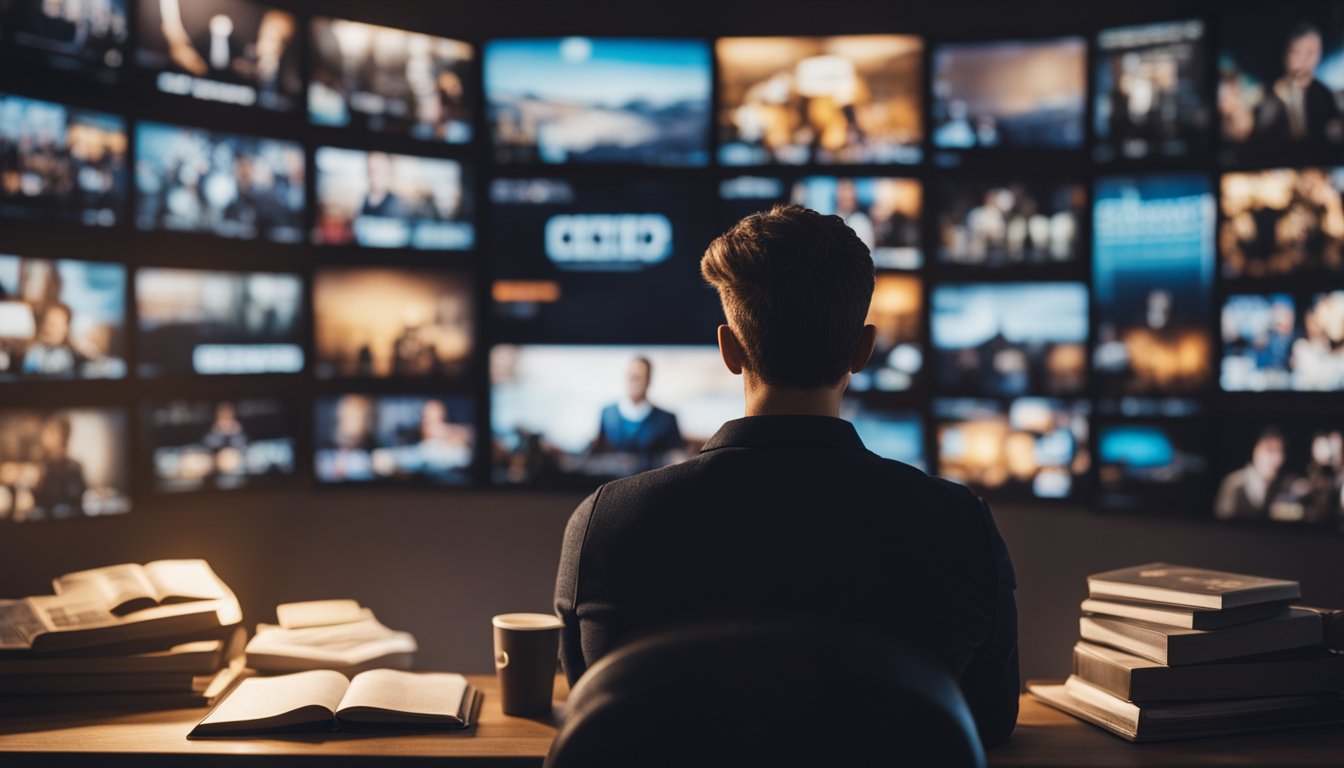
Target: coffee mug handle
{"x":501,"y":660}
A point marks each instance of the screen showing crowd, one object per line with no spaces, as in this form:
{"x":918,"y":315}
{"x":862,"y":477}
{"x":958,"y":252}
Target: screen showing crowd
{"x":219,"y":444}
{"x":61,"y":319}
{"x":230,"y":51}
{"x":986,"y":224}
{"x":210,"y":323}
{"x":390,"y":81}
{"x":373,"y":322}
{"x":381,"y":200}
{"x":820,"y":100}
{"x":1148,"y":91}
{"x":1009,"y":94}
{"x":883,"y":212}
{"x":57,"y":464}
{"x":1283,"y":341}
{"x":84,"y":36}
{"x":1282,"y":221}
{"x":60,"y":163}
{"x":195,"y":180}
{"x":599,"y":100}
{"x":395,"y":439}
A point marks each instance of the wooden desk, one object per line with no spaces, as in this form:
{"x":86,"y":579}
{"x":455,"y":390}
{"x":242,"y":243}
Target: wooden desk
{"x":160,"y":739}
{"x":1048,"y":738}
{"x":1045,"y":738}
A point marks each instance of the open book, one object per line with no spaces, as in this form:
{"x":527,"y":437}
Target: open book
{"x":80,"y":617}
{"x":325,"y":700}
{"x":129,"y":587}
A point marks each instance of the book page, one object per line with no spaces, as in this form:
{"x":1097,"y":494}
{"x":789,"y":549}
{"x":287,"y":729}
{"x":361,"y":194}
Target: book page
{"x":434,"y":694}
{"x":122,"y":588}
{"x":20,"y":622}
{"x":184,"y":580}
{"x":341,"y":644}
{"x":265,"y":701}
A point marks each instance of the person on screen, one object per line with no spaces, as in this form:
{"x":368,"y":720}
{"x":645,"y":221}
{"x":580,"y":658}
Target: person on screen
{"x":1247,"y":493}
{"x":634,"y":425}
{"x":1299,"y":107}
{"x":785,"y":513}
{"x":60,"y":491}
{"x":380,"y":200}
{"x":226,"y":431}
{"x":52,"y":354}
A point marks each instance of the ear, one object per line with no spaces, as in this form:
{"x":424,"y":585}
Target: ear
{"x":731,"y":350}
{"x":867,"y":342}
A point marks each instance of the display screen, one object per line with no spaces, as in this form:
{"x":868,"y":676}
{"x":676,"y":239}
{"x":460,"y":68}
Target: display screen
{"x":1281,"y":78}
{"x":581,"y":414}
{"x":1036,"y":447}
{"x":1152,"y":273}
{"x":60,"y":163}
{"x":61,"y":319}
{"x":372,"y":322}
{"x":1283,"y":341}
{"x":854,"y":99}
{"x":599,"y":100}
{"x":76,"y":35}
{"x":1010,"y":339}
{"x":379,"y":200}
{"x":1154,"y":466}
{"x":986,"y":224}
{"x":1011,"y":94}
{"x":195,"y":180}
{"x":391,"y":81}
{"x":883,"y":212}
{"x":424,"y":439}
{"x":195,"y":322}
{"x":1282,"y":221}
{"x":58,"y":464}
{"x":1149,"y":91}
{"x":897,"y":311}
{"x":891,"y":434}
{"x":1283,"y":468}
{"x":219,"y":444}
{"x":602,"y":263}
{"x":229,"y":51}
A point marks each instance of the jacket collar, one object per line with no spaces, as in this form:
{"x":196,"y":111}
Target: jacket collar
{"x":775,"y":431}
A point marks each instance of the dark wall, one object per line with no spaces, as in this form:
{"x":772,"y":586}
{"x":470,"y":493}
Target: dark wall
{"x":440,"y":564}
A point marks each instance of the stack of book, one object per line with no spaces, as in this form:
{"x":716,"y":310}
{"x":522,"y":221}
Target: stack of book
{"x":159,"y":636}
{"x":1170,"y":652}
{"x":338,"y":635}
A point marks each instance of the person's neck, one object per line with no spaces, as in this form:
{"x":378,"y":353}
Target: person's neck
{"x":765,"y":400}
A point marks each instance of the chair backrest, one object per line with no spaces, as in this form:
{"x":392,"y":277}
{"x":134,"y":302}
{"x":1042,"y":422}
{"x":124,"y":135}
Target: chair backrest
{"x":768,"y":694}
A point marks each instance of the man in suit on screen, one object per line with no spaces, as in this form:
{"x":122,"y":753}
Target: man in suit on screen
{"x":785,"y":513}
{"x":636,"y":426}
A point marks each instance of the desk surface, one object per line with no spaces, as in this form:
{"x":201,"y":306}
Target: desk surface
{"x":1044,"y":738}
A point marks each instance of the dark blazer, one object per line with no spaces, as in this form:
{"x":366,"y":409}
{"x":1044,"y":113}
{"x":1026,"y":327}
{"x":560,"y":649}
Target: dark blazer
{"x":792,"y":516}
{"x":658,"y":432}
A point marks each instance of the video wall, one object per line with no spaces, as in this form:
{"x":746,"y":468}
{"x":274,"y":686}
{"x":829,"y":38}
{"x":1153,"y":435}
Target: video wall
{"x":248,"y":247}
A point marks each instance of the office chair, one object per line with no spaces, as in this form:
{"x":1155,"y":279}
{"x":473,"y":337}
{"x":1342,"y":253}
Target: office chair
{"x":765,"y":694}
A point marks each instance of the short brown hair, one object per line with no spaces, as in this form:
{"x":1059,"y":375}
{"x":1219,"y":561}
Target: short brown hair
{"x":795,"y":286}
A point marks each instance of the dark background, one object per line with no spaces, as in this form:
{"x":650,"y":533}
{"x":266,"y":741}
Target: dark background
{"x":439,"y":564}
